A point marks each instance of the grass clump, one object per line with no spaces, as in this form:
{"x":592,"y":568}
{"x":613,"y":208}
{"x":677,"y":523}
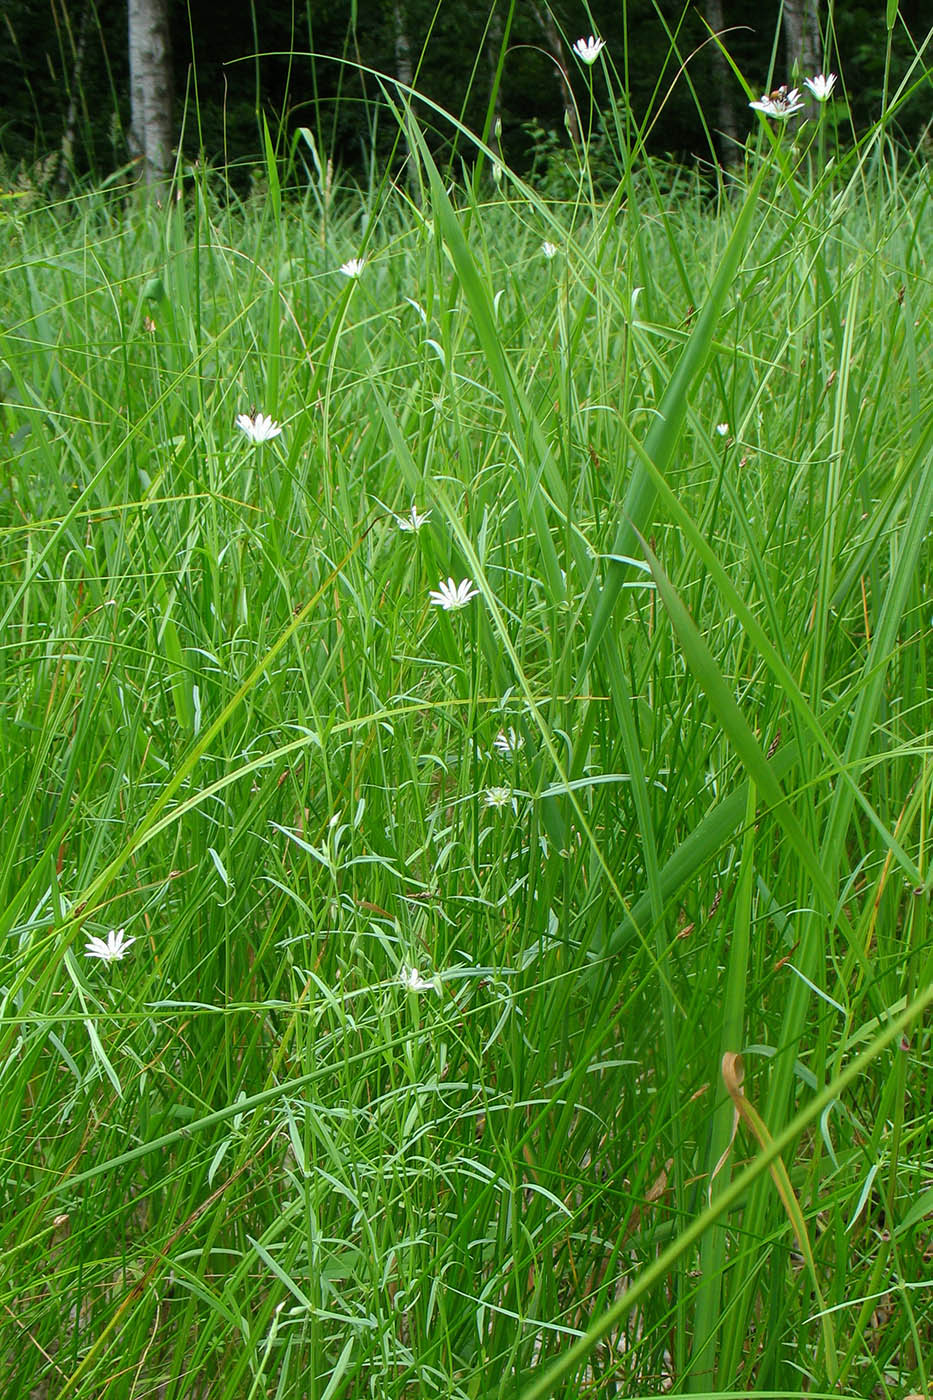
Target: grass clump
{"x":445,"y":919}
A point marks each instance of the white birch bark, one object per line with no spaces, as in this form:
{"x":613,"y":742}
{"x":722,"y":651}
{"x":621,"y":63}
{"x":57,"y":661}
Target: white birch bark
{"x":66,"y":160}
{"x":150,"y":88}
{"x":403,"y":68}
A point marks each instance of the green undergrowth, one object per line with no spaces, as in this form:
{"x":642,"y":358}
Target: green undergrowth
{"x":658,"y":793}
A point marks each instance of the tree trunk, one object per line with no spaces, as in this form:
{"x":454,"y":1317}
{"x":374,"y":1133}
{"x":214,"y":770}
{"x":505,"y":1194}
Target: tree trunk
{"x":727,"y":119}
{"x":403,"y":68}
{"x":66,"y":160}
{"x":405,"y":73}
{"x":150,"y":88}
{"x":802,"y":37}
{"x":552,"y":36}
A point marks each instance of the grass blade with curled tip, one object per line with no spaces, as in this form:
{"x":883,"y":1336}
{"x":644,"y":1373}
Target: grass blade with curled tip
{"x":548,"y":1383}
{"x":733,"y":1075}
{"x":881,"y":656}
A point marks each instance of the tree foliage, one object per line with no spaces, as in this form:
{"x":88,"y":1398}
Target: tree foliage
{"x":318,"y":66}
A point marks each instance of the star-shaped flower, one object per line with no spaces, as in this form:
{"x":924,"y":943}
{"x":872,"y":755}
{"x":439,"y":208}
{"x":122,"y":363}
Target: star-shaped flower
{"x":412,"y":981}
{"x":821,"y":86}
{"x":450,"y":596}
{"x":722,"y":429}
{"x":353,"y":267}
{"x":588,"y":50}
{"x":413,"y":521}
{"x":549,"y":250}
{"x":113,"y":948}
{"x":258,"y":427}
{"x":507,"y":741}
{"x":782,"y":103}
{"x":497,"y":796}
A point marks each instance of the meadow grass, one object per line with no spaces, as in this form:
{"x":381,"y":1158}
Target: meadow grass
{"x":418,"y":1077}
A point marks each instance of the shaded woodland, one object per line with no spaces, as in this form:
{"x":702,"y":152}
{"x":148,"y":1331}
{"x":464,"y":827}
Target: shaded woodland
{"x":68,"y":112}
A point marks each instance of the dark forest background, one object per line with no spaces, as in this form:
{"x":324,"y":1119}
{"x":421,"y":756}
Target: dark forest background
{"x":65,"y":82}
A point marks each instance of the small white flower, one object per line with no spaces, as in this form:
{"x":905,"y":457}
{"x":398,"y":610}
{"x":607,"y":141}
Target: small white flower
{"x":258,"y":427}
{"x":110,"y":949}
{"x":722,"y":429}
{"x":589,"y":49}
{"x":353,"y":267}
{"x":414,"y":521}
{"x":549,"y":250}
{"x":412,"y":981}
{"x":497,"y":796}
{"x":782,"y":103}
{"x":451,"y":596}
{"x":507,"y":741}
{"x":821,"y":86}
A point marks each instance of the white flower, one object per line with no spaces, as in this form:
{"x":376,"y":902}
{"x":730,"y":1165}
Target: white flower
{"x":352,"y":268}
{"x":549,"y":249}
{"x":110,"y":949}
{"x":507,"y":741}
{"x":451,"y":596}
{"x":412,"y":981}
{"x":821,"y":86}
{"x":589,"y":49}
{"x":781,"y":103}
{"x":497,"y":796}
{"x":414,"y":521}
{"x":257,"y":426}
{"x":722,"y":429}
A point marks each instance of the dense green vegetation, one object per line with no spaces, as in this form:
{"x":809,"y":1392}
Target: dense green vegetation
{"x":65,"y":66}
{"x":416,"y":1078}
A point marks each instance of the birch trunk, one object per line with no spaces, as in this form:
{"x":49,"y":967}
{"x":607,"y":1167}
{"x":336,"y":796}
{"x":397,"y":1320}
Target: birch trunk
{"x":405,"y":73}
{"x":403,"y":68}
{"x":66,"y":160}
{"x":150,"y":88}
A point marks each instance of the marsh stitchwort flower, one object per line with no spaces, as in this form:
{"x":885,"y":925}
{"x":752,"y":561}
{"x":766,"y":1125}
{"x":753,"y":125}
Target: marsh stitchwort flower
{"x":450,"y":596}
{"x":821,"y":86}
{"x":412,"y":981}
{"x":588,"y":50}
{"x":497,"y":797}
{"x":549,"y":249}
{"x":781,"y":104}
{"x":258,"y":427}
{"x":353,"y":267}
{"x":113,"y":948}
{"x":413,"y":521}
{"x":507,"y":741}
